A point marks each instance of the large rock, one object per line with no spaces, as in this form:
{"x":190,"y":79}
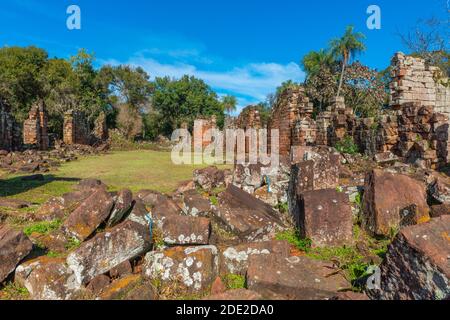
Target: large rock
{"x":109,"y":249}
{"x":294,"y":278}
{"x":266,"y":182}
{"x":89,"y":215}
{"x":139,"y":214}
{"x":130,"y":287}
{"x":59,"y":207}
{"x":320,"y":171}
{"x":246,"y":216}
{"x":123,"y":202}
{"x":184,"y":230}
{"x":150,"y":198}
{"x":325,"y":217}
{"x":391,"y":201}
{"x":417,"y":264}
{"x":47,"y":279}
{"x":193,"y":268}
{"x":14,"y":246}
{"x":211,"y":177}
{"x":195,"y":205}
{"x":235,"y":260}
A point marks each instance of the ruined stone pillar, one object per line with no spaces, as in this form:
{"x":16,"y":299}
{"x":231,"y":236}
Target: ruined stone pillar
{"x":75,"y":128}
{"x":35,"y":131}
{"x":100,"y":129}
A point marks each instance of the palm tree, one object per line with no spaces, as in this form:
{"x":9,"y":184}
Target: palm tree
{"x":345,"y":48}
{"x":229,"y":104}
{"x":314,"y":61}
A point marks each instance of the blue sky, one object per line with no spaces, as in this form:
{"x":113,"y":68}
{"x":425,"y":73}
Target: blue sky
{"x":245,"y":48}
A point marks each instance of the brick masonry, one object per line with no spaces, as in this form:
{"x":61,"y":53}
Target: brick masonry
{"x":35,"y":130}
{"x":75,"y":130}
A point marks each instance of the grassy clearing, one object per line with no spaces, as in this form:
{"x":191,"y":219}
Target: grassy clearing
{"x":136,"y":170}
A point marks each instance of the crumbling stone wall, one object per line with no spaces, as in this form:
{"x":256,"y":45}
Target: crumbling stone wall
{"x":249,"y":118}
{"x":9,"y":130}
{"x":35,"y":131}
{"x":75,"y":129}
{"x":201,"y":126}
{"x":293,"y":106}
{"x":416,"y":82}
{"x":100,"y":132}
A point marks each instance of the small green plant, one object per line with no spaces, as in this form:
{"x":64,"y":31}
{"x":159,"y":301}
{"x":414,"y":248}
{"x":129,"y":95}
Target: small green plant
{"x":53,"y":254}
{"x":347,"y":145}
{"x":214,"y":200}
{"x":348,"y":260}
{"x":72,"y":243}
{"x":44,"y":227}
{"x":283,"y":207}
{"x":339,"y":189}
{"x":13,"y":291}
{"x":234,"y":281}
{"x":293,"y":237}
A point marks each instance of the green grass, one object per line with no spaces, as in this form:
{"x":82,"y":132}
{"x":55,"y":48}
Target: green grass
{"x":292,"y":236}
{"x":13,"y":291}
{"x":72,"y":244}
{"x":234,"y":281}
{"x":347,"y":258}
{"x":135,"y":170}
{"x":44,"y":227}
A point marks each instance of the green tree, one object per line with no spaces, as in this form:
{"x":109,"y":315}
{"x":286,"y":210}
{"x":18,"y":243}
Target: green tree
{"x":315,"y":61}
{"x":129,"y":85}
{"x":20,"y":70}
{"x":229,"y":103}
{"x":345,"y":48}
{"x":59,"y":85}
{"x":184,"y":100}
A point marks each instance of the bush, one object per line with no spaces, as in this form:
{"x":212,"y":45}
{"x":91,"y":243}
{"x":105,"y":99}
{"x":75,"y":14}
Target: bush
{"x":347,"y":145}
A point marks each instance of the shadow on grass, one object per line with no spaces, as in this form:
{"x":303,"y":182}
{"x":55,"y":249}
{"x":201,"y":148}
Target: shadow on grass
{"x":16,"y":185}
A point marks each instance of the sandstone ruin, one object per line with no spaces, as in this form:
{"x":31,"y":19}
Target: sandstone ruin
{"x":35,"y":127}
{"x":415,"y":128}
{"x":9,"y":130}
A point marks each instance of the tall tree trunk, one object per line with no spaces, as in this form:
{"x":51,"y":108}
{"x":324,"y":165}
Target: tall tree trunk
{"x":344,"y":62}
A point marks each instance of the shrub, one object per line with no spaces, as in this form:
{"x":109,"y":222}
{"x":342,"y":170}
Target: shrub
{"x":347,"y":145}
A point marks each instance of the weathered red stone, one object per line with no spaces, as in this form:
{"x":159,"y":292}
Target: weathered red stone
{"x":391,"y":201}
{"x":417,"y":263}
{"x":14,"y":246}
{"x":246,"y":216}
{"x":47,"y":279}
{"x":194,"y":269}
{"x":89,"y":215}
{"x":294,"y":278}
{"x":325,"y":217}
{"x":109,"y":249}
{"x":235,"y":259}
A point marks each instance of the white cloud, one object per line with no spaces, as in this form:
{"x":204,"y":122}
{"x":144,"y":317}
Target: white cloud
{"x":250,"y":83}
